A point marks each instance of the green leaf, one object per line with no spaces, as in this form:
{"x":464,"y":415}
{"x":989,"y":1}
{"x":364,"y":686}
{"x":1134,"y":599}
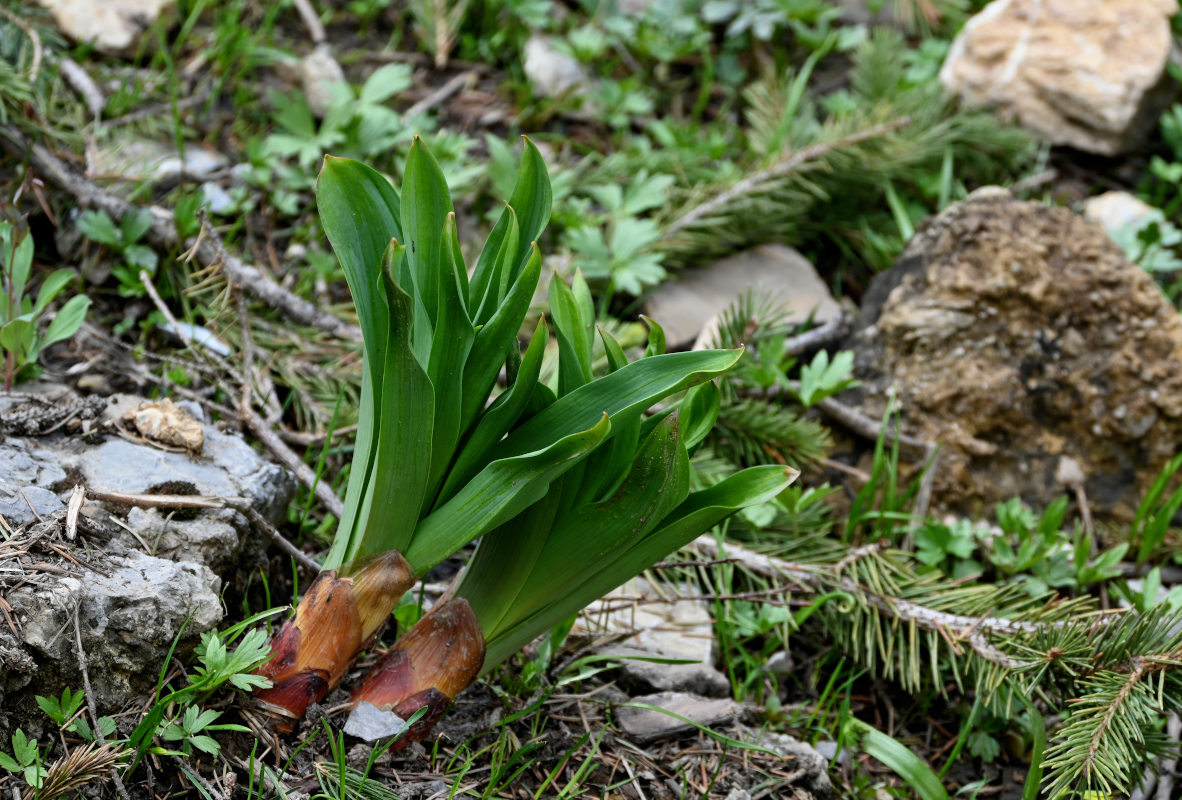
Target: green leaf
{"x":574,"y":348}
{"x":134,"y":225}
{"x":500,"y":417}
{"x":425,"y":206}
{"x":904,"y":763}
{"x":99,"y":227}
{"x":696,"y":514}
{"x":68,"y":320}
{"x":627,"y":392}
{"x":397,"y":490}
{"x":384,"y":83}
{"x":494,"y":340}
{"x":491,"y":279}
{"x":50,"y":288}
{"x":497,"y":493}
{"x":699,"y":412}
{"x":16,"y":336}
{"x":22,"y":264}
{"x":8,"y":763}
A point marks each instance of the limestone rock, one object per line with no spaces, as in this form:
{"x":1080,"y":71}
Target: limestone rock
{"x":28,"y":475}
{"x":1086,"y":73}
{"x":114,"y":26}
{"x":692,"y":303}
{"x":137,"y":159}
{"x":551,"y":72}
{"x":1017,"y":334}
{"x":646,"y":725}
{"x":129,"y":614}
{"x":681,"y":631}
{"x":322,"y":78}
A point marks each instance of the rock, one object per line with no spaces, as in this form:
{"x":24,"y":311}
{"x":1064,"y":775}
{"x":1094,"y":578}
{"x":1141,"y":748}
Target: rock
{"x":551,"y":72}
{"x":1086,"y":73}
{"x":1116,"y":210}
{"x":113,"y":26}
{"x":1016,"y":335}
{"x":322,"y":78}
{"x":646,"y":725}
{"x":687,"y":306}
{"x":129,"y":614}
{"x":371,"y":724}
{"x":217,"y":199}
{"x":149,"y":160}
{"x":681,"y":631}
{"x":816,"y":767}
{"x":28,"y":471}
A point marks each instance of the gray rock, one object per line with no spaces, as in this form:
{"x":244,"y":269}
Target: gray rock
{"x":690,"y":305}
{"x":646,"y":724}
{"x":653,"y":629}
{"x":212,"y":539}
{"x":27,"y":471}
{"x":802,"y":756}
{"x":129,"y":615}
{"x":371,"y":724}
{"x":113,"y":26}
{"x":551,"y":72}
{"x":149,"y":160}
{"x":217,"y":199}
{"x":1086,"y":73}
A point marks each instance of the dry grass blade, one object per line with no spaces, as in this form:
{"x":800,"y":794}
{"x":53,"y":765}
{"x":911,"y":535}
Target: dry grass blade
{"x":79,"y":767}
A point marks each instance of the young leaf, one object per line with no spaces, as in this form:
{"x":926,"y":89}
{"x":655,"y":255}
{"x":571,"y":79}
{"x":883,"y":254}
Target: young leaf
{"x":425,"y":206}
{"x":68,"y":320}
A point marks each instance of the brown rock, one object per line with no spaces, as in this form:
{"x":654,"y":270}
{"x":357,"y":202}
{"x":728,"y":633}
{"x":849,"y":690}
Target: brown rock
{"x":1086,"y":73}
{"x":1017,"y":334}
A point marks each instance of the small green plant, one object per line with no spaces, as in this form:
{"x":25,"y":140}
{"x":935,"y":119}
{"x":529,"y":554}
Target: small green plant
{"x":823,"y":378}
{"x":124,"y":239}
{"x":19,"y":314}
{"x":25,"y":759}
{"x":64,"y":712}
{"x":191,"y":729}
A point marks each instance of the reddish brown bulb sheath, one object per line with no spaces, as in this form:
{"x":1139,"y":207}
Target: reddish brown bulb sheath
{"x":337,"y":616}
{"x":437,"y":659}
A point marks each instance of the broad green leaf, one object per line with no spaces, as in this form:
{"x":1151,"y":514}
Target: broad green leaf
{"x":497,"y":493}
{"x":615,"y":354}
{"x":500,"y":417}
{"x":425,"y":206}
{"x":493,"y":342}
{"x":68,"y":320}
{"x":699,"y":412}
{"x":490,"y":281}
{"x":50,"y":288}
{"x":397,"y":488}
{"x":626,"y":392}
{"x":22,"y":264}
{"x":695,"y":515}
{"x":904,"y":763}
{"x":574,"y":353}
{"x":449,"y":350}
{"x":17,"y":336}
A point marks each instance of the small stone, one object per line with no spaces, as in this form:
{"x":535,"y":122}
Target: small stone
{"x":370,"y":723}
{"x":647,"y":724}
{"x":1090,"y":74}
{"x":1069,"y":472}
{"x":1116,"y":210}
{"x":217,"y":199}
{"x":322,"y":78}
{"x":138,"y":159}
{"x":164,"y":422}
{"x":113,"y":26}
{"x":688,"y":308}
{"x":27,"y":472}
{"x":551,"y":72}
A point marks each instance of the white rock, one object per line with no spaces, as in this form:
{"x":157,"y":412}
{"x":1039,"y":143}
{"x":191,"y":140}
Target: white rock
{"x":114,"y":26}
{"x":647,"y":724}
{"x":686,"y":306}
{"x":370,"y":723}
{"x":322,"y":79}
{"x":147,"y":159}
{"x":1086,"y":73}
{"x":552,"y":72}
{"x":1115,"y":210}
